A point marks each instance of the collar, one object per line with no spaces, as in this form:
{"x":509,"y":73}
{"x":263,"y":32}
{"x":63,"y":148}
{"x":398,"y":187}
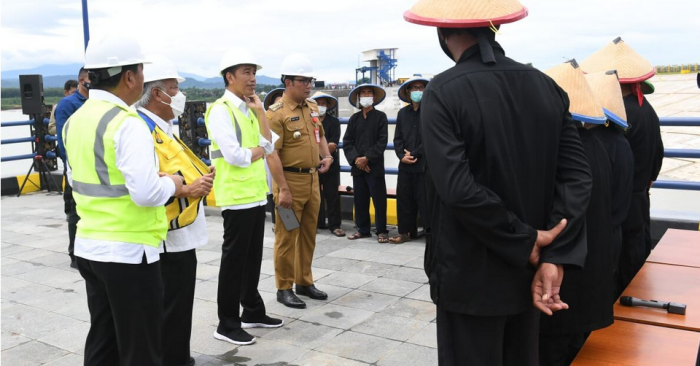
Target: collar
{"x":164,"y":125}
{"x":106,"y":96}
{"x":236,"y":101}
{"x":79,"y":96}
{"x":292,"y":105}
{"x":476,"y":49}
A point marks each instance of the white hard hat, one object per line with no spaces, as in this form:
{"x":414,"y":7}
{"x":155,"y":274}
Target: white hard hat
{"x":235,"y":57}
{"x":160,"y":68}
{"x":113,"y":51}
{"x":297,"y":64}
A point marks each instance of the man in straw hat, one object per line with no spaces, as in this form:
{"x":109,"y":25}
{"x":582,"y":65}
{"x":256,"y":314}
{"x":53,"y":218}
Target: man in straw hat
{"x":295,"y":166}
{"x":644,"y":136}
{"x":330,"y":180}
{"x":240,"y":139}
{"x":410,"y":185}
{"x":364,"y":143}
{"x":504,"y":164}
{"x":589,"y":292}
{"x":606,"y":87}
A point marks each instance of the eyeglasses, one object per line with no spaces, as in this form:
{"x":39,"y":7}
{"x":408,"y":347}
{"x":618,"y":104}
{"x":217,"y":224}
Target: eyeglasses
{"x":306,"y":81}
{"x":416,"y":88}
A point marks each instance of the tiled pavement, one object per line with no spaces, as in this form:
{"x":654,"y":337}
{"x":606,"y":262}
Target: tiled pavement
{"x":378,"y":311}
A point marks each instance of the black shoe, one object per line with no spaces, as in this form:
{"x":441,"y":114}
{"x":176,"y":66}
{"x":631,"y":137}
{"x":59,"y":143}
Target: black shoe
{"x":238,"y":336}
{"x":192,"y":362}
{"x":74,"y":264}
{"x":312,"y":292}
{"x":288,"y":298}
{"x":264,"y":322}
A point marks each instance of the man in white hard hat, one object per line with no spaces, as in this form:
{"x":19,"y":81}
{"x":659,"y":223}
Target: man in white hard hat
{"x":240,"y":140}
{"x":160,"y":103}
{"x":120,"y":198}
{"x":295,"y":165}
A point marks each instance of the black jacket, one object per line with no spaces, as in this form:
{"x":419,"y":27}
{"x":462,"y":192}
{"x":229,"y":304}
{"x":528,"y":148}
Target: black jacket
{"x":331,"y":129}
{"x":503,"y":159}
{"x":366,"y":137}
{"x":644,"y":136}
{"x":407,"y":137}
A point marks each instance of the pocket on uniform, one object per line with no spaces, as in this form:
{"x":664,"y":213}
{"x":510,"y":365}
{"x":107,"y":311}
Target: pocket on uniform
{"x":292,"y":126}
{"x":171,"y":150}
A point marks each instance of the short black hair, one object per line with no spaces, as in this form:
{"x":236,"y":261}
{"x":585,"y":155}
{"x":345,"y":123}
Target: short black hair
{"x":70,"y":84}
{"x":100,"y":80}
{"x":232,"y":70}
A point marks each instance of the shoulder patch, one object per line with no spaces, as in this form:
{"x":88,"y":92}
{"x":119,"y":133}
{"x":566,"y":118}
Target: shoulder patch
{"x":275,"y":107}
{"x":310,"y":100}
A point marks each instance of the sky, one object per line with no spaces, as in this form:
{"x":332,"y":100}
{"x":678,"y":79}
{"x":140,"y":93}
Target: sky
{"x":333,"y":33}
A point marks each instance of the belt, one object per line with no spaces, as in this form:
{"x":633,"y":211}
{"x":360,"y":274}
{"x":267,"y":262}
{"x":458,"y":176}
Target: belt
{"x":299,"y":170}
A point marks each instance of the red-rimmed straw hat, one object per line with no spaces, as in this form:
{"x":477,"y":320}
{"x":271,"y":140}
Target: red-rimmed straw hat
{"x":465,"y":14}
{"x":583,"y":104}
{"x":618,"y":55}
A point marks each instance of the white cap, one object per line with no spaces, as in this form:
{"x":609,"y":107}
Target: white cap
{"x":113,"y":51}
{"x":297,"y":64}
{"x":235,"y":57}
{"x":160,"y":68}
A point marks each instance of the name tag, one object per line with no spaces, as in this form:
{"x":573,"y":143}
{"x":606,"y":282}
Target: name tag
{"x":294,"y":119}
{"x":318,"y":135}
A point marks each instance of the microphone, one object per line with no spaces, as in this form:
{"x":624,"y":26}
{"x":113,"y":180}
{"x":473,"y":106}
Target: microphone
{"x":671,"y":307}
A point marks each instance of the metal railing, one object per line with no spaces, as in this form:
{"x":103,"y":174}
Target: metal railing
{"x":668,"y":153}
{"x":665,"y":122}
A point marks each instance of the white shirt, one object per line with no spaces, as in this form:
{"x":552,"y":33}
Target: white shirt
{"x":193,"y":235}
{"x":222,"y":131}
{"x":137,"y":161}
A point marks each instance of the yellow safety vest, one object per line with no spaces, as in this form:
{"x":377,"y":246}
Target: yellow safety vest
{"x":103,"y":203}
{"x":176,"y":158}
{"x":235,"y":185}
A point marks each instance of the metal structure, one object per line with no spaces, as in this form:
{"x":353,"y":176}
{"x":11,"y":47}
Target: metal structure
{"x":382,"y":65}
{"x":193,"y":131}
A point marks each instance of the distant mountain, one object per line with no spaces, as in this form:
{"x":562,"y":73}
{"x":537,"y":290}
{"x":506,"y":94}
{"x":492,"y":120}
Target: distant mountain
{"x":55,"y":76}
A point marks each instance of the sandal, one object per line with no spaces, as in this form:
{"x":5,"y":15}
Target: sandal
{"x":382,"y":238}
{"x":400,"y":239}
{"x":338,"y":232}
{"x":358,"y":235}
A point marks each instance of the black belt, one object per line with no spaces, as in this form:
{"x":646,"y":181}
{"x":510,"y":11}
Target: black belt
{"x":299,"y":170}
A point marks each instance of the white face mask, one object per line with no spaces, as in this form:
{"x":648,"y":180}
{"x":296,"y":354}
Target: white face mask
{"x":322,"y":110}
{"x":177,"y":102}
{"x":366,"y":101}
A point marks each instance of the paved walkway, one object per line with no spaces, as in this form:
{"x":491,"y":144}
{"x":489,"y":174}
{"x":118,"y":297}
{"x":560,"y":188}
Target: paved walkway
{"x":378,"y":311}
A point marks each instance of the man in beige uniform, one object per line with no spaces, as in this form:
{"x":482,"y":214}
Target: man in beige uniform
{"x":294,"y":166}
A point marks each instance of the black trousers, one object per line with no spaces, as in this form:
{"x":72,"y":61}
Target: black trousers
{"x":126,"y":313}
{"x":410,"y":200}
{"x":330,"y":200}
{"x":487,"y":340}
{"x":270,"y":207}
{"x":71,"y":215}
{"x":179,"y":270}
{"x":561,"y":349}
{"x":366,"y":186}
{"x":636,"y":241}
{"x":241,"y":257}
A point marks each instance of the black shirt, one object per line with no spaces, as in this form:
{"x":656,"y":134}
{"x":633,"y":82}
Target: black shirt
{"x":644,"y":136}
{"x":503,"y":159}
{"x":366,"y":137}
{"x":407,"y":137}
{"x":331,"y":128}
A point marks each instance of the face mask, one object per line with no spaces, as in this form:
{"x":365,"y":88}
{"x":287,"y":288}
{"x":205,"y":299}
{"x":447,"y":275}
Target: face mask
{"x":177,"y":102}
{"x":87,"y":85}
{"x":322,"y":110}
{"x":366,"y":101}
{"x":443,"y":45}
{"x":417,"y":95}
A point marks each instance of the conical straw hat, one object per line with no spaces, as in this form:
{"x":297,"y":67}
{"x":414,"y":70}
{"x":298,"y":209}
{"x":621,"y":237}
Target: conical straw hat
{"x":631,"y":67}
{"x":270,"y":97}
{"x":606,"y":87}
{"x":332,"y":101}
{"x":583,"y":104}
{"x":404,"y":94}
{"x":465,"y":14}
{"x":378,"y":91}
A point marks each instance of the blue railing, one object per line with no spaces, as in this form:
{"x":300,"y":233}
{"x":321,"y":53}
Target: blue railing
{"x":668,"y":153}
{"x":665,"y":121}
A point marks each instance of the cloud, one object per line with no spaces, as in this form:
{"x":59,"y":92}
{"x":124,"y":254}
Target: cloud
{"x":333,"y":33}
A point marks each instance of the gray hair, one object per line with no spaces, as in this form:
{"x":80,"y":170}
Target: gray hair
{"x":148,"y":92}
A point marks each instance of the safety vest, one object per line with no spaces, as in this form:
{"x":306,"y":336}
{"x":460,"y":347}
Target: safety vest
{"x":177,"y":159}
{"x":235,"y":185}
{"x":103,"y":203}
